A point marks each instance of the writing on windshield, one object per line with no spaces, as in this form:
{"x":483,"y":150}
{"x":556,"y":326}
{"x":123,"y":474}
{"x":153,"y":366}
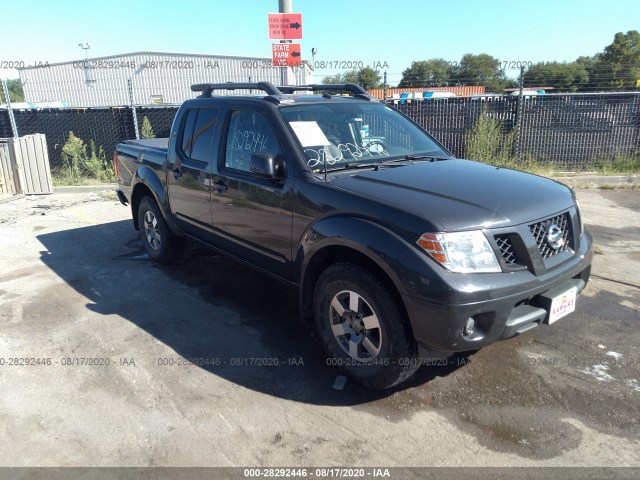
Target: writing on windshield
{"x":332,"y":154}
{"x":330,"y":133}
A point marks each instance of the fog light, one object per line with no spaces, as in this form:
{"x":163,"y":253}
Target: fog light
{"x":470,"y":326}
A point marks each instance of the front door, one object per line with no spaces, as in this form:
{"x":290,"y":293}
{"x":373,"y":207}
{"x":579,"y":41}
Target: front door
{"x":251,"y":215}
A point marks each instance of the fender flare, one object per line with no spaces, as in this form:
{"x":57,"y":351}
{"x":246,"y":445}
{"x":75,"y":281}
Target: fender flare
{"x":391,"y":253}
{"x":148,"y":177}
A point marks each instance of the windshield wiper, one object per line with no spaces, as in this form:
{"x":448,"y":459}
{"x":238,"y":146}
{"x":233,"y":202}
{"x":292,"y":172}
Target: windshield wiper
{"x":386,"y":163}
{"x":342,"y":166}
{"x":352,"y":165}
{"x":431,"y":158}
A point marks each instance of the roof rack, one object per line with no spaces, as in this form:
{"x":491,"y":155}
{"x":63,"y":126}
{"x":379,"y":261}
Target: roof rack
{"x":275,"y":93}
{"x":207,"y":88}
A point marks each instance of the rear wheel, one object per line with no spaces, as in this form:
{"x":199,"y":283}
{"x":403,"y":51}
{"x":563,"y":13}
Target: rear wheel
{"x":361,"y":328}
{"x":161,"y":245}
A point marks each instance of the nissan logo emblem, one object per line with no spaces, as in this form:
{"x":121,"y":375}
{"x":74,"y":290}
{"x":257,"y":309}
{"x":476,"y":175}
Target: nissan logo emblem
{"x":554,"y":236}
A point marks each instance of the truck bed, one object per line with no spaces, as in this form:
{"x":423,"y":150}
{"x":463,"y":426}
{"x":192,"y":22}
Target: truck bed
{"x":132,"y":153}
{"x":156,"y":143}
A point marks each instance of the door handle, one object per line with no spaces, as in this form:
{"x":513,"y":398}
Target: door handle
{"x":177,"y":173}
{"x":221,"y":186}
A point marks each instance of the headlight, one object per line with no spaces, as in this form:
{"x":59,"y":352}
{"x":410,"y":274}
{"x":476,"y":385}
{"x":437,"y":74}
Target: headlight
{"x":461,"y":252}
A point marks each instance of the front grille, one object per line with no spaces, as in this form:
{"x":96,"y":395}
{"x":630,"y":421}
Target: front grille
{"x":507,"y":251}
{"x":540,"y":229}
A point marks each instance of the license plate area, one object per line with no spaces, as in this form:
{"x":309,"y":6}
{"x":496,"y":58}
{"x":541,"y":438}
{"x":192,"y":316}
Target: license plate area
{"x":560,"y":301}
{"x":562,"y":305}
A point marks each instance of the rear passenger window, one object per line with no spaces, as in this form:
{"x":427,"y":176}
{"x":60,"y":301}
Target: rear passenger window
{"x":201,"y":146}
{"x":197,"y":136}
{"x":187,"y":134}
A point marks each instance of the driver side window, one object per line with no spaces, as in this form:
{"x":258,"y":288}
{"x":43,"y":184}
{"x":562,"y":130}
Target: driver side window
{"x":248,"y":133}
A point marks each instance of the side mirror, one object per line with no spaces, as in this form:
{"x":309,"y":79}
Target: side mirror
{"x":264,"y":165}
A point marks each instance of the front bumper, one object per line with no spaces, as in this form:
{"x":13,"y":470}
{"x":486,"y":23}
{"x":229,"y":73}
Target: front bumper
{"x":503,"y":305}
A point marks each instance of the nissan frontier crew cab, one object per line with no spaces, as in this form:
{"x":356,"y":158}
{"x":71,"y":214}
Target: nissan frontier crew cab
{"x":397,"y":248}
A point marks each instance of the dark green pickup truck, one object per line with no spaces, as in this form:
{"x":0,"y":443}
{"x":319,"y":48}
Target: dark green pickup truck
{"x":397,"y":249}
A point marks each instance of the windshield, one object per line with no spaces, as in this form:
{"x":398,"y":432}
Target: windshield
{"x":336,"y":134}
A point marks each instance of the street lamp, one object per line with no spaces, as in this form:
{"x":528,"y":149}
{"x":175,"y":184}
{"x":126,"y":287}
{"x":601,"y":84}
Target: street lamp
{"x":86,"y":46}
{"x":314,"y":50}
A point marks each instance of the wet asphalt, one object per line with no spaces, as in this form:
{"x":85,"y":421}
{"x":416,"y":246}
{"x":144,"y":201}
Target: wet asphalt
{"x":75,"y":283}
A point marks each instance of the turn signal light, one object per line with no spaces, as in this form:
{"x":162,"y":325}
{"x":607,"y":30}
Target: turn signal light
{"x":431,"y":245}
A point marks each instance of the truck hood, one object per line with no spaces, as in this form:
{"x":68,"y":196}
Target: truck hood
{"x":461,"y":194}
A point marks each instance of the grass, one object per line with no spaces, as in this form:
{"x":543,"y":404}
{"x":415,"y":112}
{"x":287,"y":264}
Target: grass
{"x":489,"y":142}
{"x":62,"y":178}
{"x":529,"y":165}
{"x":619,"y":165}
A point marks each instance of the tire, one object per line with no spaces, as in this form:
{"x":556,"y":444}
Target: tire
{"x":361,"y":328}
{"x":161,"y":245}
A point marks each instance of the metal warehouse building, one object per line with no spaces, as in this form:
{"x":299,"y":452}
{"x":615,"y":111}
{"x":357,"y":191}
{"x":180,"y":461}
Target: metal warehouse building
{"x":145,"y":78}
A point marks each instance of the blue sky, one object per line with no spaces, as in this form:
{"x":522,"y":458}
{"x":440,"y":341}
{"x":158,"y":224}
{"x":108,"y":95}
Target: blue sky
{"x":344,"y":30}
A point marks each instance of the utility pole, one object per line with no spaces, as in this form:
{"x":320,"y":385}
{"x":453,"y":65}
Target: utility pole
{"x":385,"y":87}
{"x":284,"y":6}
{"x":519,"y":115}
{"x":133,"y":109}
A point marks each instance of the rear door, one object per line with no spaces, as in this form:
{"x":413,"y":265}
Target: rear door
{"x":189,"y":176}
{"x":252,"y":216}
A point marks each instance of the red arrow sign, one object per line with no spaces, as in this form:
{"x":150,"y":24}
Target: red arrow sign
{"x":285,"y":26}
{"x":286,"y":54}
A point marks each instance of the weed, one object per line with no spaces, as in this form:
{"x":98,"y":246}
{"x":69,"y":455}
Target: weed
{"x":147,"y":129}
{"x":487,"y":142}
{"x":80,"y":167}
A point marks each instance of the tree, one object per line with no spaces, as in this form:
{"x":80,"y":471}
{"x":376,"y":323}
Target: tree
{"x":336,"y":79}
{"x":563,"y":77}
{"x":147,"y":129}
{"x":434,"y":72}
{"x":341,"y":78}
{"x":625,"y":48}
{"x":481,"y":69}
{"x":16,"y":94}
{"x":368,"y":78}
{"x":618,"y":67}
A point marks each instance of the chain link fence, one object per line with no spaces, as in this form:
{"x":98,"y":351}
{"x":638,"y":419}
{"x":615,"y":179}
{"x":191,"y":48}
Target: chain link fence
{"x":575,"y":132}
{"x":567,"y":131}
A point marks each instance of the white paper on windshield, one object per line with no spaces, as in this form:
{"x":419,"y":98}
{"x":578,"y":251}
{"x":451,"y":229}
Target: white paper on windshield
{"x":309,"y":133}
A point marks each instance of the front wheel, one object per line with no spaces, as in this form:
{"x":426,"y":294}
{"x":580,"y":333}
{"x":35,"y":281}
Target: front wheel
{"x":161,"y":245}
{"x":361,"y":328}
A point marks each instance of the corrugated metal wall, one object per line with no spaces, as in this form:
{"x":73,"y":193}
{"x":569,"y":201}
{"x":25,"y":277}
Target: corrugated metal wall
{"x":24,"y":165}
{"x":7,"y":182}
{"x":155,"y":77}
{"x":32,"y":158}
